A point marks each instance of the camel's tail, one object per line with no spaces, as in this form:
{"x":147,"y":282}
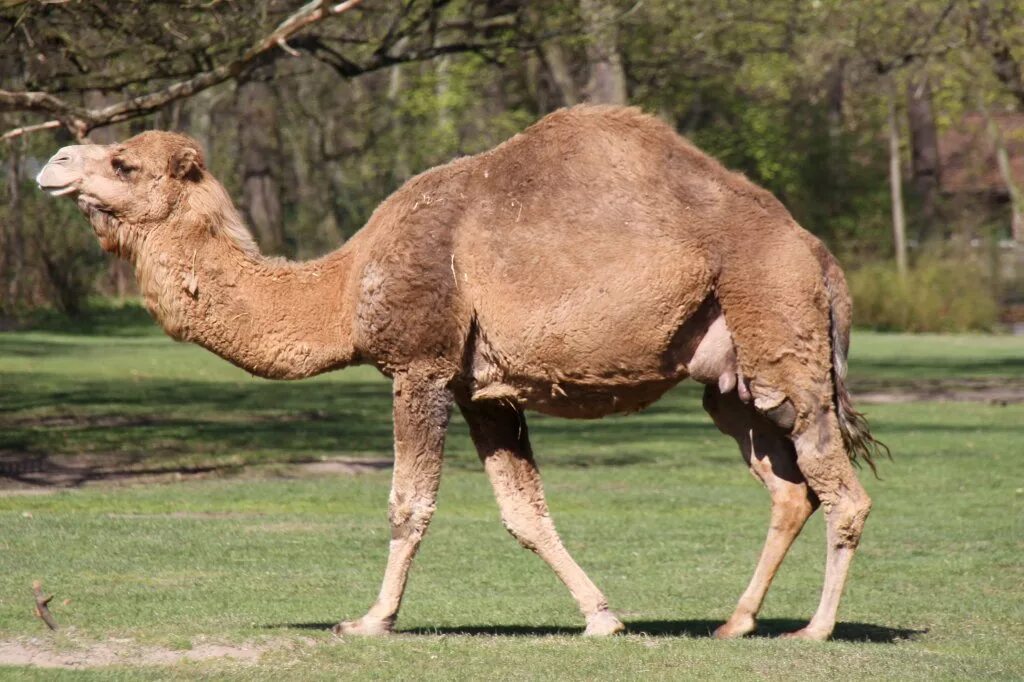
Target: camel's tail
{"x":860,"y":444}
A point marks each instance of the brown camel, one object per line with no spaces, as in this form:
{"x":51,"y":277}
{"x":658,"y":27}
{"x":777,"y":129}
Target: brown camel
{"x":581,"y":268}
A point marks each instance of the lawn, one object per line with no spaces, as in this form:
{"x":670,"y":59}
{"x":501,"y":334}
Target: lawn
{"x":261,"y":553}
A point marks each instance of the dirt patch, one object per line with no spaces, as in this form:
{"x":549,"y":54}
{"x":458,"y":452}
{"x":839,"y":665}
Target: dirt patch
{"x":338,"y":467}
{"x":20,"y":470}
{"x":995,"y":391}
{"x":124,"y":652}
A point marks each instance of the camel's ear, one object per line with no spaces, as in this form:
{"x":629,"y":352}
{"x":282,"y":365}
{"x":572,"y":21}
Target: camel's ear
{"x":187,"y":163}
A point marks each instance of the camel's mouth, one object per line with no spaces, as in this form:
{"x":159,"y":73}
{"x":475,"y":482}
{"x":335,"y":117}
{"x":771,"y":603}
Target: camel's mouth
{"x":59,"y":191}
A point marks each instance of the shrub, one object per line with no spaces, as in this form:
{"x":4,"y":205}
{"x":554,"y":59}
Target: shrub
{"x":936,"y":295}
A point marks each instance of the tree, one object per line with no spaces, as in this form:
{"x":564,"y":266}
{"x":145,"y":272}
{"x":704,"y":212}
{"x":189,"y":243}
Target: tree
{"x":607,"y":80}
{"x":259,"y":152}
{"x":312,"y":113}
{"x":924,"y":152}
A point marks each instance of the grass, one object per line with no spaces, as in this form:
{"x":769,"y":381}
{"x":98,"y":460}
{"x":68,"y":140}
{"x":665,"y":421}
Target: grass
{"x":655,"y":506}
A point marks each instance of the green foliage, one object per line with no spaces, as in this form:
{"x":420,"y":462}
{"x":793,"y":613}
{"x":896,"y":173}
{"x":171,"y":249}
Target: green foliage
{"x":936,"y":295}
{"x":60,"y":259}
{"x":67,"y":248}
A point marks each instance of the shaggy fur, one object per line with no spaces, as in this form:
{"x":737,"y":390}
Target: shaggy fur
{"x":581,"y":268}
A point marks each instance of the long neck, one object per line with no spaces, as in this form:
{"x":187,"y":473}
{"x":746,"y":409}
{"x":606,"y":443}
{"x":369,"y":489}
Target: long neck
{"x":273,"y":318}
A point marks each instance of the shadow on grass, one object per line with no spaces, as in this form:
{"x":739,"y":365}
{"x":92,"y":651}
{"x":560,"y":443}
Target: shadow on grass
{"x":45,"y":472}
{"x":50,"y":422}
{"x":769,"y":627}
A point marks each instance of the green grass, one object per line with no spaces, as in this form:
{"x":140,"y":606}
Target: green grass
{"x":655,"y":506}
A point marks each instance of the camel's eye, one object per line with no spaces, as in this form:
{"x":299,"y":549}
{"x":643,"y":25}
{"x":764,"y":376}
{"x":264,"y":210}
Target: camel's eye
{"x":121,"y":169}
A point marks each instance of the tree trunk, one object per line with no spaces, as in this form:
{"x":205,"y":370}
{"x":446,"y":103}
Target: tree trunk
{"x":558,"y":69}
{"x":607,"y":82}
{"x":896,"y":190}
{"x":924,"y":153}
{"x":442,"y":89}
{"x":260,"y":155}
{"x":400,"y":165}
{"x":835,"y":93}
{"x":837,"y":178}
{"x":552,"y":58}
{"x":13,"y":252}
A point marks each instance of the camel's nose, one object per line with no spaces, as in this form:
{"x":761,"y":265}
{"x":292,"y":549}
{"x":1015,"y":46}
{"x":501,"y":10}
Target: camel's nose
{"x":66,"y":155}
{"x":61,"y":173}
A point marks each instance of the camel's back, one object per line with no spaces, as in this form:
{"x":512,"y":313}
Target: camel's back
{"x":618,"y":159}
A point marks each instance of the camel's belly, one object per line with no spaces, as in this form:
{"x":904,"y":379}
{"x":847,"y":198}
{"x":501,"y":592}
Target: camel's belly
{"x":577,"y":401}
{"x":701,"y":347}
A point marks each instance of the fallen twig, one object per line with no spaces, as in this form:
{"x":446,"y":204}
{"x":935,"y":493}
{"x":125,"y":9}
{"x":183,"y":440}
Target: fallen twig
{"x":43,"y":605}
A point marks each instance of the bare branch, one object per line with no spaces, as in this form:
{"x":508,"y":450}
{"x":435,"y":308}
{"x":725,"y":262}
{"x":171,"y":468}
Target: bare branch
{"x":25,"y":130}
{"x":80,"y":120}
{"x":38,"y":101}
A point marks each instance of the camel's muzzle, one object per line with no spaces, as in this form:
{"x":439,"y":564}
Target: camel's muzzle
{"x":63,"y":173}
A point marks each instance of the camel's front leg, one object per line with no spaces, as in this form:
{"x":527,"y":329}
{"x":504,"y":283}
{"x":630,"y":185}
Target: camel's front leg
{"x":499,"y":433}
{"x":421,"y":409}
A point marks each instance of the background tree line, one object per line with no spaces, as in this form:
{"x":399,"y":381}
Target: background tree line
{"x":893,"y":130}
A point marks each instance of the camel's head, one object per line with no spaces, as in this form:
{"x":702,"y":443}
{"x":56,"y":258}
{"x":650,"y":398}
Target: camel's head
{"x":126,"y":188}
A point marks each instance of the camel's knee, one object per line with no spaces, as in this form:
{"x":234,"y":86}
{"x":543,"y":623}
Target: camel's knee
{"x":530,"y":530}
{"x":524,"y":533}
{"x":409,"y":518}
{"x":847,"y":513}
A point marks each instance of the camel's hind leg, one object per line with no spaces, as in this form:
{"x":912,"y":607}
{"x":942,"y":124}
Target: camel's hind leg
{"x":772,"y":459}
{"x":499,"y":433}
{"x":824,"y":462}
{"x":787,"y":314}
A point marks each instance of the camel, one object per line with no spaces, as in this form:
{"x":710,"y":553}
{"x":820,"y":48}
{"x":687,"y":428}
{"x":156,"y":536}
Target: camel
{"x":579,"y":269}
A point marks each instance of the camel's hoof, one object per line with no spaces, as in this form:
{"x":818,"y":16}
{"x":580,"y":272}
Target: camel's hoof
{"x":602,"y":624}
{"x":363,"y":627}
{"x":807,"y":634}
{"x":735,"y":628}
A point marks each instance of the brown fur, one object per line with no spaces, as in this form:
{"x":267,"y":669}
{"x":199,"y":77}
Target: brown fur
{"x":581,"y":268}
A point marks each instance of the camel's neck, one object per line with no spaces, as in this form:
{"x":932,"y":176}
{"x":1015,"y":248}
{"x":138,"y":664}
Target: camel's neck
{"x":273,"y":318}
